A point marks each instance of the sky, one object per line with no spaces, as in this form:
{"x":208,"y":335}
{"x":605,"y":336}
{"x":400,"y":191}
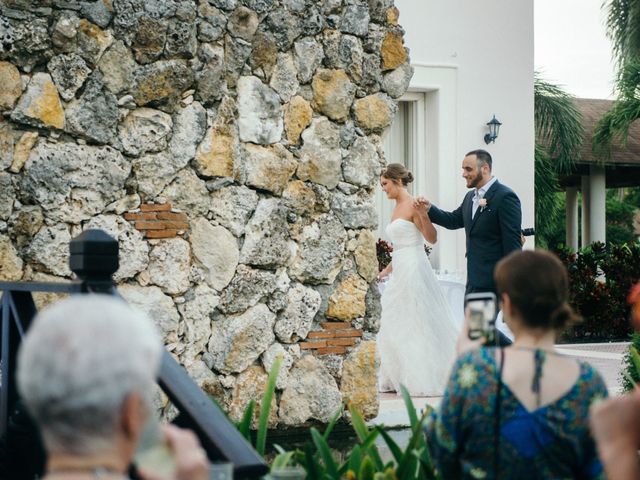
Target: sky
{"x":571,"y":48}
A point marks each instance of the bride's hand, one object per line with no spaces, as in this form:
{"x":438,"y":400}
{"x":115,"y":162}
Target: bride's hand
{"x":384,"y":273}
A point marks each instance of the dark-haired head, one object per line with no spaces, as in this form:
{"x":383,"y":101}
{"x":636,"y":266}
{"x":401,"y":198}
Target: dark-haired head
{"x":397,"y":171}
{"x":482,"y":157}
{"x":538,"y":287}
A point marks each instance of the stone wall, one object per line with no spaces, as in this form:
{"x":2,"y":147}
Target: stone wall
{"x":231,"y":146}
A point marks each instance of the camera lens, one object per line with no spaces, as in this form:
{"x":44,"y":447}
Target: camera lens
{"x":527,"y":232}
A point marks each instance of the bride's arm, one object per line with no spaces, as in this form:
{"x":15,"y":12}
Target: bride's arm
{"x":386,"y":272}
{"x":422,"y":221}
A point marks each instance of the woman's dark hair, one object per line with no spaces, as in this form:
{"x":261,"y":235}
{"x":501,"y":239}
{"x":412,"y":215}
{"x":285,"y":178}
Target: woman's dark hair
{"x":538,"y":286}
{"x":397,"y":171}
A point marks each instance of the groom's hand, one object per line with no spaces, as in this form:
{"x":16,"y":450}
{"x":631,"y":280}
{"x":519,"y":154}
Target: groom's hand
{"x":422,"y":204}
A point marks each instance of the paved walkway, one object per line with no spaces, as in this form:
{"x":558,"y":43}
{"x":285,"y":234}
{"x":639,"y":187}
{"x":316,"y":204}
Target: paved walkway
{"x":605,"y":357}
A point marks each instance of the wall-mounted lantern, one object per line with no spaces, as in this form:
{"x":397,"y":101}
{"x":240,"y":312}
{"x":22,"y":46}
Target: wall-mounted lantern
{"x":494,"y":128}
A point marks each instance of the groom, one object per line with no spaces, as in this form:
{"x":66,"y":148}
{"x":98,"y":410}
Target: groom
{"x":491,"y":216}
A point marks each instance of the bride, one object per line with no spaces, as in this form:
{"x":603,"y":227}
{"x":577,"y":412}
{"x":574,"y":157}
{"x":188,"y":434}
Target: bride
{"x":417,"y":333}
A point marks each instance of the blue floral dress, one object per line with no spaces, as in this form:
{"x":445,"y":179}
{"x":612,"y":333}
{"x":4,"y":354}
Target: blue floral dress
{"x":551,"y":442}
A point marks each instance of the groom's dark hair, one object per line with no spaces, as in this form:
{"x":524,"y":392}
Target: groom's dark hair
{"x":482,"y":157}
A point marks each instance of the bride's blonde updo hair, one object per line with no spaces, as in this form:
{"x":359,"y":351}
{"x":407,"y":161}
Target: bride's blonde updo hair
{"x":397,"y":171}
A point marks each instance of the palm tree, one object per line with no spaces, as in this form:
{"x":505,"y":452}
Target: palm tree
{"x":559,"y":134}
{"x":623,"y":29}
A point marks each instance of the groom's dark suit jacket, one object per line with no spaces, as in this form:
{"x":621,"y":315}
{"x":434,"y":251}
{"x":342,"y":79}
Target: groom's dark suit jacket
{"x":493,"y":233}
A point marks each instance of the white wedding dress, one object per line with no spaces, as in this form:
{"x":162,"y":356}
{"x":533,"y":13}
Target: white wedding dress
{"x":417,"y":336}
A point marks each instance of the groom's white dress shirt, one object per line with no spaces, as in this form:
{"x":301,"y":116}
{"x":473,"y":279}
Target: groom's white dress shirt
{"x":479,"y":193}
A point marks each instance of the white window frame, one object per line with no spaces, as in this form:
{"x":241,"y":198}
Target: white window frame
{"x":435,"y":154}
{"x":413,"y":136}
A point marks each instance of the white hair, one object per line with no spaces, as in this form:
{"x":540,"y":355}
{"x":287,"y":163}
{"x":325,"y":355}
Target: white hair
{"x":79,"y":361}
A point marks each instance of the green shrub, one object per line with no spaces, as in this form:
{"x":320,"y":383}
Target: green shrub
{"x":364,"y":461}
{"x":600,"y":277}
{"x":630,"y":374}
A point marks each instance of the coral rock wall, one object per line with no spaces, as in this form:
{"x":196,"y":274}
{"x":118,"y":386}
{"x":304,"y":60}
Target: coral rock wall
{"x":232,"y":147}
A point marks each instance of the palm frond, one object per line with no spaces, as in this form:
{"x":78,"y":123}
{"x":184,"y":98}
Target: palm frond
{"x":623,"y":29}
{"x":558,"y":124}
{"x":614,"y":126}
{"x":546,"y":193}
{"x":628,"y":81}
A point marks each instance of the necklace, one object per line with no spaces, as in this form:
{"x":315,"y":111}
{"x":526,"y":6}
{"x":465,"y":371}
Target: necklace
{"x":539,"y":358}
{"x":534,"y":349}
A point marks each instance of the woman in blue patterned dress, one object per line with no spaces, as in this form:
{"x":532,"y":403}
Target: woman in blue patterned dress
{"x":520,"y":412}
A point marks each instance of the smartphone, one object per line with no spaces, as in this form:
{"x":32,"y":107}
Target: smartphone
{"x":152,"y":453}
{"x":482,"y":311}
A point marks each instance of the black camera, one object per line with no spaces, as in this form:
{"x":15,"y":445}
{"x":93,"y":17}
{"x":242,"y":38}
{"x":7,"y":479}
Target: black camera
{"x":527,"y":232}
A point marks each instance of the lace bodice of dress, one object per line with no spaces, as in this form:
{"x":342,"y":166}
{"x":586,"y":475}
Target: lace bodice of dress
{"x":404,"y":233}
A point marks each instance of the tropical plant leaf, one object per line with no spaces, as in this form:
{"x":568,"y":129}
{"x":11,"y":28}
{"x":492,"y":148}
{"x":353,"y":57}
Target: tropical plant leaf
{"x":408,"y":463}
{"x":325,"y":453}
{"x":635,"y":357}
{"x":426,"y":462}
{"x":244,"y":427}
{"x":389,"y":474}
{"x":282,"y":460}
{"x":332,"y":423}
{"x":558,"y":124}
{"x":358,"y":423}
{"x":367,"y":469}
{"x":370,"y":440}
{"x":426,"y":469}
{"x":615,"y":124}
{"x":395,"y":450}
{"x":549,"y":206}
{"x":355,"y":459}
{"x":623,"y":29}
{"x":265,"y":407}
{"x":365,"y":436}
{"x":411,"y":409}
{"x":310,"y":464}
{"x":627,"y":376}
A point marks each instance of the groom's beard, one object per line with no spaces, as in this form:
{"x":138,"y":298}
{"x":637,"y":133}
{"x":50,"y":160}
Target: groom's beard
{"x":473,"y":183}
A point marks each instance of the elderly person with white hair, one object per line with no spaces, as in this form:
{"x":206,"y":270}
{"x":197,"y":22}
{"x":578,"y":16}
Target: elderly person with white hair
{"x":86,"y":371}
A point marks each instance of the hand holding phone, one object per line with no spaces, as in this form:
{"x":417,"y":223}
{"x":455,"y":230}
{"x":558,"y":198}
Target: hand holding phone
{"x":179,"y":456}
{"x":481,"y":310}
{"x":153,"y":454}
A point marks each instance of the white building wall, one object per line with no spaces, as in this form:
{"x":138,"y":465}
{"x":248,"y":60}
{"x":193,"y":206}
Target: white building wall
{"x":473,"y":59}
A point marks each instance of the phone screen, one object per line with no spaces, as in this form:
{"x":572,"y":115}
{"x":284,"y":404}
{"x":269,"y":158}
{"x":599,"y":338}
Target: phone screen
{"x":482,"y":315}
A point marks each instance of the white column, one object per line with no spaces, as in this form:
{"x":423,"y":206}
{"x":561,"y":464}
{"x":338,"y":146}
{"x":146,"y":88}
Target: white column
{"x":571,"y":218}
{"x":598,"y":201}
{"x":586,"y":211}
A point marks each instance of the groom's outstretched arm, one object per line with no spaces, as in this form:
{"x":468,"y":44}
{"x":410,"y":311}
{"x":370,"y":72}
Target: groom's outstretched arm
{"x":510,"y":218}
{"x":450,"y":220}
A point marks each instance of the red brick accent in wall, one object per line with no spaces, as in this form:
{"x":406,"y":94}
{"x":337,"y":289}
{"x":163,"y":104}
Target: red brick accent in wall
{"x":155,"y":207}
{"x":157,"y":220}
{"x":334,"y":338}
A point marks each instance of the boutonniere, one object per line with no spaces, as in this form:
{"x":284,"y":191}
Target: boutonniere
{"x":482,"y":203}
